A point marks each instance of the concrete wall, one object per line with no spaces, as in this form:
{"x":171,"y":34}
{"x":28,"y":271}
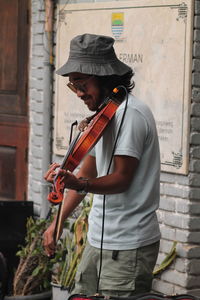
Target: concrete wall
{"x":179,"y":212}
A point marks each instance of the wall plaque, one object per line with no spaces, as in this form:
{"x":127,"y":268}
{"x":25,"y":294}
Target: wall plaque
{"x":155,"y":39}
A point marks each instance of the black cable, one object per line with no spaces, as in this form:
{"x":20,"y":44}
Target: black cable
{"x":104,"y":197}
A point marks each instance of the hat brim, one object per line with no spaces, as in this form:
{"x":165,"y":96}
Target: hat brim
{"x":112,"y":68}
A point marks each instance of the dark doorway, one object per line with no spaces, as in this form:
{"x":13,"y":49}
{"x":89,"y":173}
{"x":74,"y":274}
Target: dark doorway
{"x":14,"y":32}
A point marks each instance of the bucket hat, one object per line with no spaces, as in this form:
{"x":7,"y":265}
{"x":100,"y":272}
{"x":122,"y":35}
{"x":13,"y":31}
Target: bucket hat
{"x":94,"y":55}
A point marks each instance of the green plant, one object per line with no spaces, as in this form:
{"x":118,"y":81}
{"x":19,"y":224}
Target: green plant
{"x":70,"y":249}
{"x":170,"y":257}
{"x":34,"y":270}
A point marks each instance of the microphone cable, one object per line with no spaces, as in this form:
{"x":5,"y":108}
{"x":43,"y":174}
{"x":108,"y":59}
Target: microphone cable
{"x":104,"y":196}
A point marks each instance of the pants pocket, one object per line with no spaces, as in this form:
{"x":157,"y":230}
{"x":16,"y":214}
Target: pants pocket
{"x":117,"y":284}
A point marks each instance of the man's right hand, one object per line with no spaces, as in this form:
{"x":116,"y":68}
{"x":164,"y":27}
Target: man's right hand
{"x":48,"y":240}
{"x":50,"y":237}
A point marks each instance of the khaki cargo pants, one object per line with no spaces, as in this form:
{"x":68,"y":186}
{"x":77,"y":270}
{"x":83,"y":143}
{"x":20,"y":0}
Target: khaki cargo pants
{"x":124,"y":273}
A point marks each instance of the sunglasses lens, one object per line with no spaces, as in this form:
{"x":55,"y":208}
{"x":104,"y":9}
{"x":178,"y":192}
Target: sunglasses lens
{"x":78,"y":86}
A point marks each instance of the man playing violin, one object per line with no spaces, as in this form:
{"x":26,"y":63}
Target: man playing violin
{"x":122,"y":171}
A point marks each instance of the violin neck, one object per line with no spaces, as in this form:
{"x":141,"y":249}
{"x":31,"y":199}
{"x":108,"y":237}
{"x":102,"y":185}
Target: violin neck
{"x":70,"y":150}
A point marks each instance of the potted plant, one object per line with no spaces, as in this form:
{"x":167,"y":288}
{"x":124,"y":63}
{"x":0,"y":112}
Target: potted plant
{"x":32,"y":276}
{"x":69,"y":252}
{"x":36,"y":274}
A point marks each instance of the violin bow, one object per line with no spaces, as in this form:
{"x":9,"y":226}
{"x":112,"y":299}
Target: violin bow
{"x":61,"y":204}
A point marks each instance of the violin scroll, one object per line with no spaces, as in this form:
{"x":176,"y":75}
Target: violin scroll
{"x":56,"y":195}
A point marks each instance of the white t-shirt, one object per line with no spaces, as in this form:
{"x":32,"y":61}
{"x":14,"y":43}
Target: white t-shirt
{"x":130,"y":217}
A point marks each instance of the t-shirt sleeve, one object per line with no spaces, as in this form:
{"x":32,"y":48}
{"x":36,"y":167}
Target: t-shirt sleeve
{"x":133,"y":133}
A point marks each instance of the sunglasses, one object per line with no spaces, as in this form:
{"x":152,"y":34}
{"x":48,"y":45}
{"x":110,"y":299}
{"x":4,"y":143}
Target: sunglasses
{"x":80,"y":85}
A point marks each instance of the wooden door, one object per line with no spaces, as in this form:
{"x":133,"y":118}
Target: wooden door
{"x":14,"y":29}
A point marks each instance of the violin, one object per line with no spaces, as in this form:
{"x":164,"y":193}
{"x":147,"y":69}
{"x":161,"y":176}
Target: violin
{"x":85,"y":141}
